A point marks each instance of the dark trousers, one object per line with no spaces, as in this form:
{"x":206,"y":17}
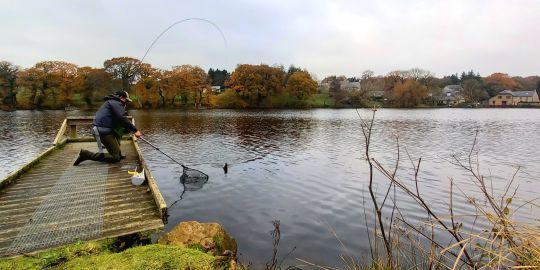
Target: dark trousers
{"x":112,"y":144}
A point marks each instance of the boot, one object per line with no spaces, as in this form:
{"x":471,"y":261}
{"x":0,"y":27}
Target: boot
{"x":83,"y":155}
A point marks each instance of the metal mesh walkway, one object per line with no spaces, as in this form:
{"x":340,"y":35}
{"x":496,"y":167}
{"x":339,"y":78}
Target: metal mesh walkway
{"x":60,"y":219}
{"x":56,"y":203}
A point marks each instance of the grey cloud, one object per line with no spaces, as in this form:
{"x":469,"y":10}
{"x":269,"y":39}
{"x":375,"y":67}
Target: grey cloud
{"x":326,"y":37}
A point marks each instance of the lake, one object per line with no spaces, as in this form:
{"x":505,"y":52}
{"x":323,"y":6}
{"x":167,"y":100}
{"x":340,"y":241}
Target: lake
{"x":307,"y":168}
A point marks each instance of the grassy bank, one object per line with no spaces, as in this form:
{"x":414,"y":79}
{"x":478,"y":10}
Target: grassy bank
{"x":104,"y":255}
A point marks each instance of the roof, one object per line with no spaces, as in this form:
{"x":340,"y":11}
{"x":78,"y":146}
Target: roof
{"x":506,"y":92}
{"x":524,"y":93}
{"x":517,"y":93}
{"x":453,"y":87}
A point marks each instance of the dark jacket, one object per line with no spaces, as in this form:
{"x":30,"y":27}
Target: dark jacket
{"x":112,"y":115}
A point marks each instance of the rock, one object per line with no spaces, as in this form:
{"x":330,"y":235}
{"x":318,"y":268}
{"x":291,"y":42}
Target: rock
{"x":209,"y":236}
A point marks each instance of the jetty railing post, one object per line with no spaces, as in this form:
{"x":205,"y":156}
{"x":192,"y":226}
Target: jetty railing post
{"x":73,"y":130}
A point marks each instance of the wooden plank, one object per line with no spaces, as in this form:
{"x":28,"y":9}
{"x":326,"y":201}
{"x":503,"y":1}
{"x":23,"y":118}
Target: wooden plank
{"x":60,"y":134}
{"x":158,"y":198}
{"x":72,"y":131}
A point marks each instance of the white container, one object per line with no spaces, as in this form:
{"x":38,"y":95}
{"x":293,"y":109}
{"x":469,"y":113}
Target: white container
{"x":138,"y":179}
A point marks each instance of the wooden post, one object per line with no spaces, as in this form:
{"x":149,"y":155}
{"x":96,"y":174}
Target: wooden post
{"x":73,"y":131}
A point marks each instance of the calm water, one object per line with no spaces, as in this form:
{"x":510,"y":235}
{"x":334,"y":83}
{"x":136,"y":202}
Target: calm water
{"x":305,"y":168}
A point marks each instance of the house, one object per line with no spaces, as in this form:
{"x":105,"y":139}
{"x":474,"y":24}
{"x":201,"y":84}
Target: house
{"x":451,"y":95}
{"x":514,"y":98}
{"x":377,"y":95}
{"x":349,"y":87}
{"x":526,"y":96}
{"x":217,"y":89}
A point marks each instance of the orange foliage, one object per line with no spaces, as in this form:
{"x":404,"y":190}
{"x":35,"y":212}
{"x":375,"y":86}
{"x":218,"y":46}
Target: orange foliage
{"x":501,"y":81}
{"x":301,"y":85}
{"x":256,"y":82}
{"x":409,"y":93}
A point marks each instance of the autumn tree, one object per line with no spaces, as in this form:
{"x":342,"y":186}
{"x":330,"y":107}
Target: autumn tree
{"x":301,"y":85}
{"x":50,"y":83}
{"x":292,"y":69}
{"x":94,"y":84}
{"x":256,"y":82}
{"x":8,"y":79}
{"x":409,"y":93}
{"x":124,"y":69}
{"x":148,"y":87}
{"x":497,"y":82}
{"x":63,"y":74}
{"x":528,"y":83}
{"x":186,"y":82}
{"x":195,"y":81}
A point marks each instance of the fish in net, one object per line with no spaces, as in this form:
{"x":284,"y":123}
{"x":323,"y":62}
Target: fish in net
{"x":192,"y":179}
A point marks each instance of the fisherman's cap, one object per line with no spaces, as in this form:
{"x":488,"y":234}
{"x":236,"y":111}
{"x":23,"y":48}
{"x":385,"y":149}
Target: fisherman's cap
{"x":123,"y":94}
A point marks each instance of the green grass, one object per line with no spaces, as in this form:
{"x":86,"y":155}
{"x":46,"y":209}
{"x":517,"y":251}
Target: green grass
{"x":98,"y":255}
{"x":321,"y":100}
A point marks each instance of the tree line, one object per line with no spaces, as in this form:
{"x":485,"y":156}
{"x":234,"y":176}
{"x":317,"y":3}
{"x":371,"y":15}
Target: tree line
{"x":57,"y":84}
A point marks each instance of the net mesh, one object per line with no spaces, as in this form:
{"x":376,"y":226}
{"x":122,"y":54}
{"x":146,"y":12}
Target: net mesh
{"x":193,"y":179}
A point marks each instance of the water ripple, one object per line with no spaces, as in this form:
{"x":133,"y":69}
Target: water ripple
{"x":307,"y":168}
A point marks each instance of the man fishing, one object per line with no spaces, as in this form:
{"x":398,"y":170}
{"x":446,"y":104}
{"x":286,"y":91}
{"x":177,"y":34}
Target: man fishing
{"x":109,"y":125}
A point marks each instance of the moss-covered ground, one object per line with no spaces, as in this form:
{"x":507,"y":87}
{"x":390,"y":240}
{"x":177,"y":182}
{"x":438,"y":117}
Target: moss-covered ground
{"x":100,"y":255}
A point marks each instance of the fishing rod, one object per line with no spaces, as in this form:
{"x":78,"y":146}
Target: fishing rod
{"x":179,"y":22}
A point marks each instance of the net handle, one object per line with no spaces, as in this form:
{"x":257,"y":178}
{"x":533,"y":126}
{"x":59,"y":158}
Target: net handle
{"x":157,"y":148}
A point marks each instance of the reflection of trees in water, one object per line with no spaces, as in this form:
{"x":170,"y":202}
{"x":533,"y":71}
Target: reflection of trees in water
{"x":185,"y":123}
{"x":216,"y":136}
{"x":269,"y":134}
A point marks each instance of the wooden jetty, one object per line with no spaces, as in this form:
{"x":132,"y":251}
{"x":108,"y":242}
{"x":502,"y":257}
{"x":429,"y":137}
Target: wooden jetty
{"x":49,"y":202}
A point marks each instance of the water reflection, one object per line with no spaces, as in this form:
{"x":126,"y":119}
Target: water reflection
{"x":305,"y":168}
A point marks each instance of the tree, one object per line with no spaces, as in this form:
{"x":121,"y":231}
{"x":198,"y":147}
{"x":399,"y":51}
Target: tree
{"x":65,"y":74}
{"x":472,"y":90}
{"x":185,"y":81}
{"x":94,"y":83}
{"x":8,"y":82}
{"x":256,"y":82}
{"x":470,"y":75}
{"x":124,"y":69}
{"x":51,"y":83}
{"x":367,"y":74}
{"x":528,"y":83}
{"x":196,"y":82}
{"x":170,"y":87}
{"x":497,"y":82}
{"x":148,"y":87}
{"x":292,"y":69}
{"x":301,"y":85}
{"x":409,"y":93}
{"x":218,"y":77}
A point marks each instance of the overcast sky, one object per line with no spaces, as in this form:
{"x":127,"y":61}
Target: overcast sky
{"x":343,"y":37}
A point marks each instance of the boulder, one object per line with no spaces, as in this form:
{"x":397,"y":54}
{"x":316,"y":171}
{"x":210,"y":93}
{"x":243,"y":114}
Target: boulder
{"x":208,"y":236}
